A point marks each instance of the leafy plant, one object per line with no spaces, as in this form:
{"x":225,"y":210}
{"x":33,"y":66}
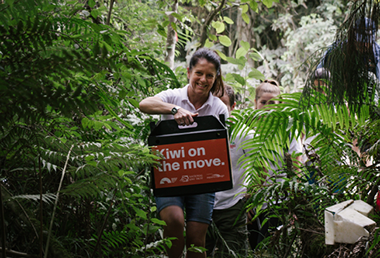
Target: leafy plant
{"x":297,"y":204}
{"x":74,"y":172}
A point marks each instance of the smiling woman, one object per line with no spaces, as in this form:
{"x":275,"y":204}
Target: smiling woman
{"x":201,"y":80}
{"x":195,"y":99}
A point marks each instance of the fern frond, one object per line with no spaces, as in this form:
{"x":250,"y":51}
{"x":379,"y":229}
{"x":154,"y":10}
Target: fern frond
{"x":47,"y":198}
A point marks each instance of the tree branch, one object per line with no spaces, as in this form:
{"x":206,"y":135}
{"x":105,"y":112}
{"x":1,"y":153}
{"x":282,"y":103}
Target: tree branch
{"x":109,"y":13}
{"x":205,"y":26}
{"x":171,"y":39}
{"x":15,"y":253}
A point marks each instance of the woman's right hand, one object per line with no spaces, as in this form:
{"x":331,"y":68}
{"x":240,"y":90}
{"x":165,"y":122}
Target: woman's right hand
{"x":184,"y":117}
{"x":155,"y":105}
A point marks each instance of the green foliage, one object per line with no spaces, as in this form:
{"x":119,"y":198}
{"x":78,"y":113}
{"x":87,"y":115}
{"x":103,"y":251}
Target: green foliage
{"x":67,"y":79}
{"x":338,"y":169}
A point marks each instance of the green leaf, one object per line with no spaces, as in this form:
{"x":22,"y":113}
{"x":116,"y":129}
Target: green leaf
{"x":109,"y":48}
{"x":256,"y":74}
{"x":122,"y":94}
{"x":241,"y":52}
{"x":140,"y":213}
{"x":91,"y":3}
{"x":208,"y":44}
{"x":228,"y":20}
{"x":161,"y":31}
{"x":255,"y":56}
{"x":241,"y":61}
{"x":212,"y":37}
{"x":95,"y":13}
{"x":245,"y":44}
{"x":133,"y":227}
{"x":158,"y":221}
{"x":244,"y":8}
{"x":245,"y":18}
{"x":254,"y":6}
{"x":89,"y":158}
{"x":95,"y":27}
{"x":164,"y":24}
{"x":176,"y":15}
{"x":97,"y":125}
{"x":48,"y":8}
{"x":223,"y":56}
{"x":85,"y":121}
{"x":268,"y":3}
{"x":239,"y":78}
{"x":134,"y":102}
{"x":225,"y":41}
{"x":174,"y":26}
{"x":92,"y":163}
{"x":219,"y":26}
{"x":141,"y":81}
{"x":202,"y":2}
{"x":151,"y":22}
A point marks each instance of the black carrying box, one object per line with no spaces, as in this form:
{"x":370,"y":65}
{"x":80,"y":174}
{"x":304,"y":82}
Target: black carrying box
{"x":196,"y":158}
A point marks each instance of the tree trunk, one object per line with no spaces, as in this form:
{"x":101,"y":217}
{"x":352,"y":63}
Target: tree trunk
{"x":171,"y":39}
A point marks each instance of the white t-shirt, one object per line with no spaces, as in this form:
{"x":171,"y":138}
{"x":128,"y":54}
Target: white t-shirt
{"x":213,"y":106}
{"x":228,"y":198}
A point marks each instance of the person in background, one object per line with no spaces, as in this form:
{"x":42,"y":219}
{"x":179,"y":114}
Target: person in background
{"x":365,"y":45}
{"x":258,"y":231}
{"x":229,"y":216}
{"x":182,"y":105}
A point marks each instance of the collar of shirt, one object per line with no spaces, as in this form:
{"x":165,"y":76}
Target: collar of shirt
{"x":185,"y":98}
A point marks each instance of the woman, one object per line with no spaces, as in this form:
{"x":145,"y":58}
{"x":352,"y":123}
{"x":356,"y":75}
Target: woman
{"x":195,"y":99}
{"x":265,"y":93}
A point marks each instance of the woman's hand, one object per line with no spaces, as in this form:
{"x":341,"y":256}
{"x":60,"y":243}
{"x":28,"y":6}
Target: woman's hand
{"x":184,"y":117}
{"x":154,"y":105}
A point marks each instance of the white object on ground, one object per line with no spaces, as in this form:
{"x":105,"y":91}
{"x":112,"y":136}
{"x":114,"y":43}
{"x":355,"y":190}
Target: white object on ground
{"x":347,"y":221}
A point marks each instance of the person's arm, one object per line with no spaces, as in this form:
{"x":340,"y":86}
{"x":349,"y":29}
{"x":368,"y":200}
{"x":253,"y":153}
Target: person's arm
{"x":155,"y":105}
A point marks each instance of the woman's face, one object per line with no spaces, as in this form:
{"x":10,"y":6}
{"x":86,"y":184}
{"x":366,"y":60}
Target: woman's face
{"x":265,"y":99}
{"x":201,"y":77}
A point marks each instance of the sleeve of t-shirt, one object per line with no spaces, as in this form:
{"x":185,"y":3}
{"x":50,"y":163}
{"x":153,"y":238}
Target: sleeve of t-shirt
{"x":166,"y":96}
{"x":225,"y":112}
{"x":219,"y":108}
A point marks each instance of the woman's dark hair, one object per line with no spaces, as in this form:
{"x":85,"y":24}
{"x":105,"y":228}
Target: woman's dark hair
{"x":212,"y":57}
